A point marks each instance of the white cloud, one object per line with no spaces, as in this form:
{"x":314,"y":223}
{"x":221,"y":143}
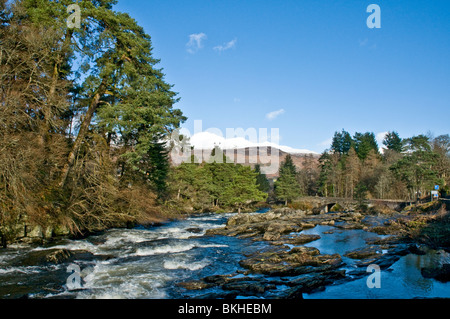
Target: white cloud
{"x":195,"y":42}
{"x":363,"y":42}
{"x":380,"y":138}
{"x":326,"y":143}
{"x":273,"y":115}
{"x":226,"y":46}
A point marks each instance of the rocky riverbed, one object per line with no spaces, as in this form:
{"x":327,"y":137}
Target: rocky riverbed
{"x":280,"y":253}
{"x":288,"y":261}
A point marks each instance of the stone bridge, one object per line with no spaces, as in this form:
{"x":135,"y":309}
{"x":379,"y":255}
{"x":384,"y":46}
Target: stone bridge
{"x":326,"y":204}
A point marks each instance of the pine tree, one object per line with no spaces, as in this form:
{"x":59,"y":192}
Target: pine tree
{"x":364,"y":143}
{"x":287,"y":187}
{"x":416,"y":168}
{"x":342,"y":142}
{"x":122,"y":90}
{"x":242,"y":188}
{"x":192,"y":183}
{"x":288,"y":165}
{"x":393,"y":142}
{"x":261,"y":179}
{"x":155,"y":165}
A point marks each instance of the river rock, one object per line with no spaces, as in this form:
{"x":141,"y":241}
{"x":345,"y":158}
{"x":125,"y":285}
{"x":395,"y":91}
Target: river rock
{"x":349,"y":224}
{"x":283,"y":228}
{"x":195,"y":285}
{"x":195,"y":230}
{"x":307,"y":225}
{"x":363,"y":253}
{"x":56,"y":257}
{"x":275,"y":230}
{"x":297,"y":240}
{"x":232,"y":285}
{"x":417,"y":250}
{"x":218,"y":279}
{"x":53,"y":256}
{"x":299,"y":260}
{"x":383,"y":261}
{"x":312,"y":283}
{"x":248,"y":288}
{"x":269,"y":226}
{"x":242,"y":219}
{"x":441,"y":274}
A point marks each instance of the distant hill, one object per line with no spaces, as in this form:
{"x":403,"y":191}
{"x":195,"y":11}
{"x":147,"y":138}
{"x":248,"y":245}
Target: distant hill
{"x":261,"y":155}
{"x":207,"y":141}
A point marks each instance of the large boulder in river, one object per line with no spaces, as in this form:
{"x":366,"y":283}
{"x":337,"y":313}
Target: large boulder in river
{"x":269,"y":226}
{"x":363,"y":253}
{"x":297,"y":261}
{"x":441,"y":273}
{"x":275,"y":230}
{"x":53,"y":256}
{"x":243,"y":219}
{"x":295,"y":240}
{"x":311,"y":283}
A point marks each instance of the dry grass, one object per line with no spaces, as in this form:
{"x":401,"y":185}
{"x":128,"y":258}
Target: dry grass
{"x":301,"y":205}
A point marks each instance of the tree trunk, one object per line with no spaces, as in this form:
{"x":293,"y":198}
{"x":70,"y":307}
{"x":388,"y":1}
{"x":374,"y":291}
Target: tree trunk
{"x":3,"y":241}
{"x":82,"y":133}
{"x":60,"y":59}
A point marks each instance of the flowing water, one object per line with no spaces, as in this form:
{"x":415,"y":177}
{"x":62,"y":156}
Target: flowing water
{"x":150,"y":262}
{"x":403,"y":280}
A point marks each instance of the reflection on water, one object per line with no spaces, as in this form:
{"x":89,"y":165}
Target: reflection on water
{"x":403,"y":280}
{"x":408,"y":271}
{"x":338,"y":241}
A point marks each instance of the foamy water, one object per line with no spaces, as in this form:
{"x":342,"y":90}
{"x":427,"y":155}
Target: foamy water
{"x":130,"y":264}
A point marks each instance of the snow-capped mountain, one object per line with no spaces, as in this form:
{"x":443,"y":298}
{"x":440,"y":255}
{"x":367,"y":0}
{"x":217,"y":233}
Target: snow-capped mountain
{"x":207,"y":140}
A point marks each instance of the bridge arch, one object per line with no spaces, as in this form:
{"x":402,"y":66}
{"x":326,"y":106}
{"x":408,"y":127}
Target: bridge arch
{"x":330,"y":206}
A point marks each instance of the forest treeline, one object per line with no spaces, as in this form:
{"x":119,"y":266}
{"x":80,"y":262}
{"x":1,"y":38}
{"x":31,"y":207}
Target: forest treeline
{"x":354,"y":167}
{"x":84,"y":122}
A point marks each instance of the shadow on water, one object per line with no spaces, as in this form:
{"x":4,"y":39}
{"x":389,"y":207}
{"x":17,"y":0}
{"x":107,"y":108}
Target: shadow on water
{"x":338,"y":241}
{"x":403,"y":280}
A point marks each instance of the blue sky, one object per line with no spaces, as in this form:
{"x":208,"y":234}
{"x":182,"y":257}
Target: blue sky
{"x":314,"y":66}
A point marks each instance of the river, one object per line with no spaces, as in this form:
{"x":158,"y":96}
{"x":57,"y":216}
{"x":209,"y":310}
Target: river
{"x":149,"y":263}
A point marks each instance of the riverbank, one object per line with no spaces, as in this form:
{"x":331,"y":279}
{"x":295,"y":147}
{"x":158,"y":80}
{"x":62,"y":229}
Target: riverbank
{"x":27,"y":233}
